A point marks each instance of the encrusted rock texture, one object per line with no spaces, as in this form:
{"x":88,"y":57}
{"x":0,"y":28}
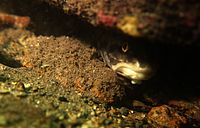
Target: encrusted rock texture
{"x":168,"y":21}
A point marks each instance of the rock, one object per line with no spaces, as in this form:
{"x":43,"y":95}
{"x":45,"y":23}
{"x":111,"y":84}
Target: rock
{"x":165,"y":116}
{"x":169,"y":21}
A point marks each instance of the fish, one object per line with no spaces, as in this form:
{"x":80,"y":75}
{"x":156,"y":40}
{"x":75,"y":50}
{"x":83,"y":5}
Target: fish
{"x":129,"y":60}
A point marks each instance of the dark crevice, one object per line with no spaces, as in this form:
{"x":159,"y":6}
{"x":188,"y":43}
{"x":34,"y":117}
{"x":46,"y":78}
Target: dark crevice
{"x":7,"y":60}
{"x":3,"y":78}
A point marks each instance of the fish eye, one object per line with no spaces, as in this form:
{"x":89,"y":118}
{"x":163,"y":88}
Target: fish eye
{"x":125,"y":47}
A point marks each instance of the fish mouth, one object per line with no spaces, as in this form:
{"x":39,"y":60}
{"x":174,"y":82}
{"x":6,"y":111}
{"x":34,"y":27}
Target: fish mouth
{"x":133,"y":71}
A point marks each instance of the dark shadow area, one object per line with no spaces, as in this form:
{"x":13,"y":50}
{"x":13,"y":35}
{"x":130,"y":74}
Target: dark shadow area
{"x":9,"y":61}
{"x":175,"y":79}
{"x":3,"y":78}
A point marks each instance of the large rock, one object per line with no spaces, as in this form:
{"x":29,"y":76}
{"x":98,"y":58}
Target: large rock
{"x":170,"y":21}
